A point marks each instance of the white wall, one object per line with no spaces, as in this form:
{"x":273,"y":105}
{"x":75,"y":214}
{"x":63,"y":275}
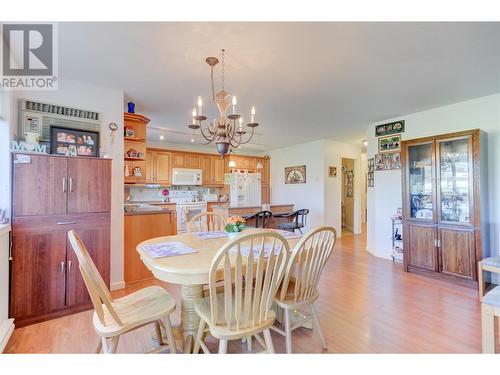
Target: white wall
{"x":110,"y":103}
{"x":309,"y":195}
{"x":321,"y":194}
{"x":383,"y":199}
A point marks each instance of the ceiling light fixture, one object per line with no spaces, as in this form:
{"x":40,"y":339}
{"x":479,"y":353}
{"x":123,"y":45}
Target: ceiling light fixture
{"x":161,"y":137}
{"x":223,"y":131}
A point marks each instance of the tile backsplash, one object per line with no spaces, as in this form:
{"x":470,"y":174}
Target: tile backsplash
{"x":154,"y":193}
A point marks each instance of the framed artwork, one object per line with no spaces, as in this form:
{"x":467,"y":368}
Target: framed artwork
{"x":332,"y":171}
{"x":371,"y":172}
{"x":387,"y":161}
{"x":73,"y":142}
{"x":390,"y":128}
{"x":295,"y":175}
{"x":389,"y":144}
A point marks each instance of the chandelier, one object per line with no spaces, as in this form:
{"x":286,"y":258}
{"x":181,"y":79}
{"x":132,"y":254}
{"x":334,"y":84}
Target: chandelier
{"x":226,"y":131}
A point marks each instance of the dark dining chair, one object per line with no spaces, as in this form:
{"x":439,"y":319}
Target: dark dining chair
{"x":261,"y":218}
{"x":299,"y":220}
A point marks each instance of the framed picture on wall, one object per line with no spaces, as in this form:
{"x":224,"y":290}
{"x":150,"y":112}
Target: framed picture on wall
{"x":371,"y":172}
{"x":389,"y":144}
{"x":332,"y":171}
{"x":73,"y":142}
{"x":295,"y":175}
{"x":390,"y":128}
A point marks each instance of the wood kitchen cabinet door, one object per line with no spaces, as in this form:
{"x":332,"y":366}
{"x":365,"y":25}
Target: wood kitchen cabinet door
{"x":38,"y":268}
{"x":89,"y":185}
{"x":192,"y":161}
{"x":150,"y":166}
{"x":217,"y":170}
{"x":40,"y":186}
{"x":422,"y":246}
{"x":265,"y":172}
{"x":457,"y":252}
{"x":95,"y":234}
{"x":163,"y":168}
{"x":178,"y":160}
{"x":265,"y":194}
{"x":206,"y":169}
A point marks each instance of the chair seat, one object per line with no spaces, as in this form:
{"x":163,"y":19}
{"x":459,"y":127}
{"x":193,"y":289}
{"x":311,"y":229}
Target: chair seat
{"x":492,"y":297}
{"x":202,"y":308}
{"x":137,"y":309}
{"x":290,"y":225}
{"x":492,"y":262}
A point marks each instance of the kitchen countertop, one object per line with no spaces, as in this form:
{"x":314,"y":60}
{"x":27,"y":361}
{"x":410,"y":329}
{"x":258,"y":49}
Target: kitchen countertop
{"x":150,"y":202}
{"x":260,"y":207}
{"x":164,"y":211}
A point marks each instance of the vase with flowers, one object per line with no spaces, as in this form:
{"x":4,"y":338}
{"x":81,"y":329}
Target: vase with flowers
{"x":235,"y":225}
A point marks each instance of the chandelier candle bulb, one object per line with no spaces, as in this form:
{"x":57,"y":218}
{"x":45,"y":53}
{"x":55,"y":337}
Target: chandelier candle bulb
{"x":193,"y":114}
{"x":200,"y":106}
{"x":252,"y":112}
{"x":234,"y":101}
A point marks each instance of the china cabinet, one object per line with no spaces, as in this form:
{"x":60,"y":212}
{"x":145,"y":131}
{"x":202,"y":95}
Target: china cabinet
{"x":441,"y":206}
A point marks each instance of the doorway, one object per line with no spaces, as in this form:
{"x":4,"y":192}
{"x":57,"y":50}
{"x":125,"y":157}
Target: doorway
{"x":348,"y":175}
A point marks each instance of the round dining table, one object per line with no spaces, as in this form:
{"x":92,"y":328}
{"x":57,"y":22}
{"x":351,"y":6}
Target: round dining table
{"x":190,"y":271}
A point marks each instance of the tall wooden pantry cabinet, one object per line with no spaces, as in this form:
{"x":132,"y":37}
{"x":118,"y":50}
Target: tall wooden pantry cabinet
{"x":51,"y":195}
{"x":442,"y":223}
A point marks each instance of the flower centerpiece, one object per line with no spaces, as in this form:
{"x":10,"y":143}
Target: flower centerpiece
{"x":235,"y":225}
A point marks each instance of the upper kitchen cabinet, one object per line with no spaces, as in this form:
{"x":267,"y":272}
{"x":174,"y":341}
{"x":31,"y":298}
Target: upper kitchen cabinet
{"x":265,"y":170}
{"x":159,"y":167}
{"x":89,"y":185}
{"x":185,"y":160}
{"x":441,"y":205}
{"x":135,"y":147}
{"x":46,"y":192}
{"x":213,"y":170}
{"x":52,"y":185}
{"x":242,"y":162}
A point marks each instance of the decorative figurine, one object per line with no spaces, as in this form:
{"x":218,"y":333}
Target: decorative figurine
{"x":131,"y":107}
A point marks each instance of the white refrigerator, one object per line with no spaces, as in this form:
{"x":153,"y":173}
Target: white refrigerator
{"x":245,"y":189}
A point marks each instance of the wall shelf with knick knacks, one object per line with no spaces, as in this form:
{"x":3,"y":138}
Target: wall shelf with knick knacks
{"x":135,"y":148}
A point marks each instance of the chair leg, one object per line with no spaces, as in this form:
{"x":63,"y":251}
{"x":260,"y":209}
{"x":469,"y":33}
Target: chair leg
{"x":110,"y":348}
{"x":300,"y":230}
{"x":269,"y":341}
{"x":98,"y":346}
{"x":488,"y":329}
{"x":158,"y":333}
{"x":317,"y":326}
{"x":288,"y":332}
{"x":199,"y":337}
{"x":222,"y":346}
{"x":249,"y":343}
{"x":170,"y":335}
{"x":480,"y":279}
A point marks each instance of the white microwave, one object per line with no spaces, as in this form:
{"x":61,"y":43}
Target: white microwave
{"x":183,"y":176}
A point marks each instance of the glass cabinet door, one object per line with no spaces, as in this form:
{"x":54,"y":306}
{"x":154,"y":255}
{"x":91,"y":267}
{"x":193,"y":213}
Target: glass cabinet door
{"x":420,"y":176}
{"x":454,"y":175}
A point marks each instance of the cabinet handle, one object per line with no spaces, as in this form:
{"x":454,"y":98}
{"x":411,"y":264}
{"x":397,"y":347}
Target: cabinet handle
{"x":69,"y":266}
{"x":65,"y":222}
{"x":70,"y":185}
{"x":64,"y":184}
{"x":62,"y":267}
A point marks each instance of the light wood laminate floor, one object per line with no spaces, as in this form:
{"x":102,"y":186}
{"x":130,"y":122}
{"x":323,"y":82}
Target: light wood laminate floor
{"x":366,"y":305}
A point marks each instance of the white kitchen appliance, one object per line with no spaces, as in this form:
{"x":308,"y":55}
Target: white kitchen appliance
{"x":245,"y":189}
{"x":187,"y":205}
{"x":186,"y":177}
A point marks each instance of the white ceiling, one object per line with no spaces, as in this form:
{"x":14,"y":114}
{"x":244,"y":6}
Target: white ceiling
{"x":307,"y":80}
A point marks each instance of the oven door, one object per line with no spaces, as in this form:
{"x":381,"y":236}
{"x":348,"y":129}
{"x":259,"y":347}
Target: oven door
{"x":185,"y":213}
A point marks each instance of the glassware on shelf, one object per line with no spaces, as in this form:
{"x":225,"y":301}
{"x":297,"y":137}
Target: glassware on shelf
{"x":420,"y":181}
{"x":454,"y":177}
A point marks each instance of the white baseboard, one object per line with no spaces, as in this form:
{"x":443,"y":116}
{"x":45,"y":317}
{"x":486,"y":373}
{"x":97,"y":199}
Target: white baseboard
{"x":6,"y":329}
{"x":117,"y":286}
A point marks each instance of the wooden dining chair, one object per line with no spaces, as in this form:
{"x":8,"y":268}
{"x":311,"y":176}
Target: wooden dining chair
{"x":114,"y":317}
{"x":299,"y":288}
{"x":490,"y":303}
{"x":206,"y":222}
{"x":251,"y":280}
{"x":261,"y":218}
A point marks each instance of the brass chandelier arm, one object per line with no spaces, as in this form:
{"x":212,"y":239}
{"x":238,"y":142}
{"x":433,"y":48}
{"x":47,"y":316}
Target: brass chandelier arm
{"x":211,"y":137}
{"x":249,"y":138}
